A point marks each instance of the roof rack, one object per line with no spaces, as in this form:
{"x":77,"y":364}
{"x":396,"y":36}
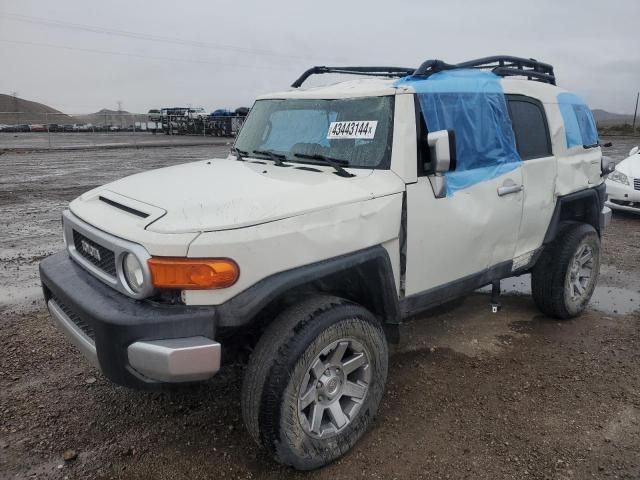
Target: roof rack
{"x":368,"y":71}
{"x":501,"y":65}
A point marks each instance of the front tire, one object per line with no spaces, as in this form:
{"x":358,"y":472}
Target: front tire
{"x":566,"y":273}
{"x":315,"y":381}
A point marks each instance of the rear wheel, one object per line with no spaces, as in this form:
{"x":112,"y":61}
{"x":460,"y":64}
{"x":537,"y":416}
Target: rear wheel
{"x":566,"y":274}
{"x":315,"y":381}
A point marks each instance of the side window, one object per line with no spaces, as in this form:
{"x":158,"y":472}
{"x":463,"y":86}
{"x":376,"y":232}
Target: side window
{"x":530,"y":128}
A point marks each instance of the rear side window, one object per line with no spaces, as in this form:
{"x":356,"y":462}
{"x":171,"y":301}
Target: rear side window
{"x":530,"y":128}
{"x":579,"y":125}
{"x":588,"y":130}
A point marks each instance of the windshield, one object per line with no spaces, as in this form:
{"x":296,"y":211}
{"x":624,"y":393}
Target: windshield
{"x":356,"y":130}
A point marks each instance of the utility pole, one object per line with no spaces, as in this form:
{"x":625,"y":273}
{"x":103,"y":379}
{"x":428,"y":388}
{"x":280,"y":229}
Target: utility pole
{"x":15,"y":107}
{"x":120,"y":112}
{"x":635,"y":114}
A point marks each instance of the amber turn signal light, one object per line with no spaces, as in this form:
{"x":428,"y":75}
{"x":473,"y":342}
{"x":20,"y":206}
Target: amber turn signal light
{"x":193,"y":273}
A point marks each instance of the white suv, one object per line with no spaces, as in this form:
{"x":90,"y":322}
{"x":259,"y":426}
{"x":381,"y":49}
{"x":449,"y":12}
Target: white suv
{"x":341,"y":211}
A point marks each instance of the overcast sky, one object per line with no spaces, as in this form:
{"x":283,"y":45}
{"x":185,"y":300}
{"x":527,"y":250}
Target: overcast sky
{"x":80,"y":56}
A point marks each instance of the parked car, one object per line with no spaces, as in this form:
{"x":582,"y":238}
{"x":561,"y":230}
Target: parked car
{"x":242,"y":111}
{"x":221,"y":112}
{"x":37,"y":127}
{"x":197,"y":113}
{"x":623,"y":184}
{"x":341,"y":211}
{"x":155,"y":115}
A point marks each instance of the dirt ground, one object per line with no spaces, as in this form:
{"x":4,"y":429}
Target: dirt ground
{"x":470,"y":394}
{"x":24,"y":141}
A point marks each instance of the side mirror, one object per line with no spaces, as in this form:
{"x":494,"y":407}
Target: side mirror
{"x":634,"y":150}
{"x":442,"y":153}
{"x":607,"y":166}
{"x":442,"y":146}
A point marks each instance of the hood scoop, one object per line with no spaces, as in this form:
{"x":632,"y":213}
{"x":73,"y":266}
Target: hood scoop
{"x":114,"y":212}
{"x":122,"y":207}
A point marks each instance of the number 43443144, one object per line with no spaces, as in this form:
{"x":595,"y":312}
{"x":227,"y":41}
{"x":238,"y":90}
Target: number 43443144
{"x":355,"y":129}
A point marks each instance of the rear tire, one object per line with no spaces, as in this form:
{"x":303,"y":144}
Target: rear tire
{"x":315,"y":381}
{"x":565,"y":275}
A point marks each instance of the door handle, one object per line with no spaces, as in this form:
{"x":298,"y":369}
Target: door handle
{"x":507,"y":189}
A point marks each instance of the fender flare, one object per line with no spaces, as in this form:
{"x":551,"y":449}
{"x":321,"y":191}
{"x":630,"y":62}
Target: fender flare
{"x":365,"y":277}
{"x":591,"y":201}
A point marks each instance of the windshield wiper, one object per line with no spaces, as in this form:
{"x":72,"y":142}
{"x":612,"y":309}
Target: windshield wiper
{"x":334,"y":162}
{"x":276,"y":157}
{"x":240,"y":154}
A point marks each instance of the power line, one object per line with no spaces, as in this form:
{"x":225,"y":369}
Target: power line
{"x":134,"y":55}
{"x":150,"y":37}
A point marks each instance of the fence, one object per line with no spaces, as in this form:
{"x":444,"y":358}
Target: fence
{"x":53,"y":130}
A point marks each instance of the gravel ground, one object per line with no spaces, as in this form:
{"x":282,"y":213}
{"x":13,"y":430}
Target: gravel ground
{"x":62,"y":141}
{"x":471,"y":394}
{"x":621,"y":146}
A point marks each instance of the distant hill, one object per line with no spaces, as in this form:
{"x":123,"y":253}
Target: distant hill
{"x":111,"y":117}
{"x":606,"y":119}
{"x":32,"y":112}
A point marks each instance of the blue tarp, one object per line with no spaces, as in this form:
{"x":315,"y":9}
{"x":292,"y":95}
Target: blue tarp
{"x":472,"y":103}
{"x":579,"y":125}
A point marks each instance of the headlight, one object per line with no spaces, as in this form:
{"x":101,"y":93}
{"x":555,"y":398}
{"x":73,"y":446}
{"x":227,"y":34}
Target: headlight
{"x":619,"y":177}
{"x":133,"y":272}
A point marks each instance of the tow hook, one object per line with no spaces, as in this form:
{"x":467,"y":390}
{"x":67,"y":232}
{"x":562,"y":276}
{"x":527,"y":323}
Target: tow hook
{"x":494,"y":303}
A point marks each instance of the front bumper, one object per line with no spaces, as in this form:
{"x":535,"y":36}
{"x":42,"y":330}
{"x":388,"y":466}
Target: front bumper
{"x":625,"y":207}
{"x":622,"y":197}
{"x":135,"y":343}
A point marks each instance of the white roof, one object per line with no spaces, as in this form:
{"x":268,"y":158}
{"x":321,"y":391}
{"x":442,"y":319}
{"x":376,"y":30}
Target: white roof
{"x":364,"y":87}
{"x":544,"y":92}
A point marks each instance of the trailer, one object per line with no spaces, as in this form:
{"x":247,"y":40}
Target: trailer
{"x":196,"y":121}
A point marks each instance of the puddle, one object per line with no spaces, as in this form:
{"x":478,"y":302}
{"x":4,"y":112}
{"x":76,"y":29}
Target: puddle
{"x":606,"y":297}
{"x":20,"y":296}
{"x":615,"y":300}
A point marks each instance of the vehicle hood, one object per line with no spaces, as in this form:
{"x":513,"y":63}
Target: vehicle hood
{"x":223,"y":194}
{"x":630,"y":166}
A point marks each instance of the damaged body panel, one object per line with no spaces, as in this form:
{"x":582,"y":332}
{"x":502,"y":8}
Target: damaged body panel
{"x":289,"y":243}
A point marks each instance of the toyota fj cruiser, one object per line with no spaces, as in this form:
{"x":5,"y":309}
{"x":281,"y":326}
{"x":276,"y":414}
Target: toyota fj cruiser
{"x":340,"y":211}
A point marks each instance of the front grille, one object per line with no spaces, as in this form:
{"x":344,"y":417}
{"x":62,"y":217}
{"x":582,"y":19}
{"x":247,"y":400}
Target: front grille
{"x":101,"y":257}
{"x":75,"y":318}
{"x":636,"y":183}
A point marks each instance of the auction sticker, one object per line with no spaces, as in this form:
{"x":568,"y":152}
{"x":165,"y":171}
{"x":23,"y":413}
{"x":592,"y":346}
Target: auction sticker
{"x":359,"y":129}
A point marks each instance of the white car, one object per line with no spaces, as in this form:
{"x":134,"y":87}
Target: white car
{"x":623,"y":184}
{"x":340,"y":211}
